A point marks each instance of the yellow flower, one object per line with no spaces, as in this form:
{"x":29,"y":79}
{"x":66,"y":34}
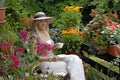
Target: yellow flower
{"x":71,"y":8}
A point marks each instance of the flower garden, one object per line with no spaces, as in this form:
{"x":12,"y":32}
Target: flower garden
{"x":88,"y":28}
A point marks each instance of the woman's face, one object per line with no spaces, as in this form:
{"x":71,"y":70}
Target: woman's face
{"x":42,"y":24}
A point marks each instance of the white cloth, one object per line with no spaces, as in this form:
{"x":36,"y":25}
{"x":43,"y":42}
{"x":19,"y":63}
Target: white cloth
{"x":70,"y":64}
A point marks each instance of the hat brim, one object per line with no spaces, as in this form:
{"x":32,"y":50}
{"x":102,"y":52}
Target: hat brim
{"x":50,"y":19}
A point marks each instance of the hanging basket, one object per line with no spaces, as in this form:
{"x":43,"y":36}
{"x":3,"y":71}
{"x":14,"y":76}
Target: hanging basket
{"x":114,"y":50}
{"x":2,"y":15}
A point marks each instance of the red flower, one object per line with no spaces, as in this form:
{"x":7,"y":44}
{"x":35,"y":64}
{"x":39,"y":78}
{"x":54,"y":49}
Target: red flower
{"x":3,"y":58}
{"x":97,"y":32}
{"x":115,"y":15}
{"x":20,"y":50}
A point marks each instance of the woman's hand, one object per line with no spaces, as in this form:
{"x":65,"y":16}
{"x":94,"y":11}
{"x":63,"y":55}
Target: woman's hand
{"x":55,"y":58}
{"x":55,"y":46}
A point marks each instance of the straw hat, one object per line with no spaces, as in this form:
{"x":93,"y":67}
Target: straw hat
{"x":42,"y":16}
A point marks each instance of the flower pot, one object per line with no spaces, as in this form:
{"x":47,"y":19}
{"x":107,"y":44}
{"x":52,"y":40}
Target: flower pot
{"x":114,"y":50}
{"x":2,"y":15}
{"x":28,"y":22}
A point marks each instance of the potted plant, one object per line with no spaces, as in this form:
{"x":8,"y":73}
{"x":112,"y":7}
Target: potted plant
{"x":114,"y":49}
{"x":2,"y":11}
{"x":101,"y":38}
{"x":72,"y":44}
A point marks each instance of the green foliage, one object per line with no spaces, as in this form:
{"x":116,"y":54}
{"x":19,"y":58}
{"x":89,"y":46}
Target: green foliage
{"x":117,"y":36}
{"x":7,"y":32}
{"x":71,"y":42}
{"x":16,"y":9}
{"x":13,"y":11}
{"x":108,"y":5}
{"x":69,"y":19}
{"x":55,"y":8}
{"x":30,"y":7}
{"x":2,"y":2}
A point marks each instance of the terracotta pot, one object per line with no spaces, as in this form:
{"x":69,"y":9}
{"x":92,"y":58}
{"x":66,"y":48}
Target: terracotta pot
{"x":114,"y":50}
{"x":2,"y":15}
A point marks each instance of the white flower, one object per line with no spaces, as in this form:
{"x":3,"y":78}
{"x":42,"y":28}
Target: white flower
{"x":112,"y":35}
{"x":103,"y":32}
{"x":27,"y":74}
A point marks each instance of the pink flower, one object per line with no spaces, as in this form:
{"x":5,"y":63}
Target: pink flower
{"x":43,"y":49}
{"x":115,"y":15}
{"x":15,"y":58}
{"x":115,"y":23}
{"x":23,"y":32}
{"x":15,"y":61}
{"x":2,"y":69}
{"x":13,"y":65}
{"x":3,"y":44}
{"x":107,"y":20}
{"x":112,"y":28}
{"x":23,"y":35}
{"x":20,"y":50}
{"x":3,"y":58}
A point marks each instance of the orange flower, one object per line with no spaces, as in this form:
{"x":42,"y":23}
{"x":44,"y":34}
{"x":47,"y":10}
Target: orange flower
{"x":23,"y":19}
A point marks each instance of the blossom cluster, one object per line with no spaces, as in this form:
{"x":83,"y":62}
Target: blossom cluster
{"x":70,"y":31}
{"x":15,"y":61}
{"x":55,"y":35}
{"x":3,"y":46}
{"x":72,"y":8}
{"x":112,"y":25}
{"x":43,"y":48}
{"x":23,"y":35}
{"x":73,"y":31}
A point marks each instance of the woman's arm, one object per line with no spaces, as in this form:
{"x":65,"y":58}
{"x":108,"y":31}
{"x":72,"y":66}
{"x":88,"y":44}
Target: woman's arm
{"x":53,"y":58}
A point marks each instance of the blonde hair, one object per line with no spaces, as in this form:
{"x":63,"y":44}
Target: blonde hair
{"x":36,"y":31}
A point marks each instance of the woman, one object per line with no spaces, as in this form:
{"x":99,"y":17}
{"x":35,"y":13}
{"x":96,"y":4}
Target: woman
{"x":70,"y":64}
